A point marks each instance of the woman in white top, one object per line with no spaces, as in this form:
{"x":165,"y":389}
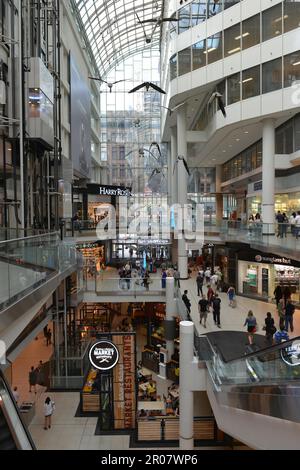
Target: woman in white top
{"x":49,"y":407}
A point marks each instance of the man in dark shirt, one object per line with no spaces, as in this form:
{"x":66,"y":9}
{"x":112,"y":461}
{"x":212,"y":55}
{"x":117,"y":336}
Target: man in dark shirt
{"x":186,"y":301}
{"x":203,"y":310}
{"x":216,"y":304}
{"x":199,"y":281}
{"x":289,"y":312}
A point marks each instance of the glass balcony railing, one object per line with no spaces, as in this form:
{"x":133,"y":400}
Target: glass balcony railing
{"x":26,"y":263}
{"x":135,"y":286}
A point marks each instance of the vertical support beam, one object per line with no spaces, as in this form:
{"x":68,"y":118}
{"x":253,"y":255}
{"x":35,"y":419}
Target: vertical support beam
{"x":219,"y":195}
{"x":268,"y":177}
{"x":65,"y":329}
{"x":171,"y":312}
{"x":21,"y":112}
{"x":173,"y":165}
{"x":182,"y":186}
{"x":186,"y":396}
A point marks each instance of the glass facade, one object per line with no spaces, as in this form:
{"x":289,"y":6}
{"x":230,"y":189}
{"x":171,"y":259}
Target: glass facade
{"x":234,"y":88}
{"x":291,"y":68}
{"x":184,"y":61}
{"x":251,"y":82}
{"x":272,"y":75}
{"x":199,"y":55}
{"x":242,"y":35}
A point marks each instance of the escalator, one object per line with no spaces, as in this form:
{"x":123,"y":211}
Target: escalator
{"x":13,"y":432}
{"x":256,"y":397}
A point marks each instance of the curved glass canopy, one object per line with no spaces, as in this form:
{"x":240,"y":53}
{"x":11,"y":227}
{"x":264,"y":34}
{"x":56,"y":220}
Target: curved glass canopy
{"x":113,"y":30}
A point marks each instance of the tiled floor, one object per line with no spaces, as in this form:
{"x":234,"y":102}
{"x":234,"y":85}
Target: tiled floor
{"x":68,"y":432}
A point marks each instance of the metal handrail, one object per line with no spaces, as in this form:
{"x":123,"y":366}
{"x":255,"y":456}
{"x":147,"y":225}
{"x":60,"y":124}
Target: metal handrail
{"x":29,"y":238}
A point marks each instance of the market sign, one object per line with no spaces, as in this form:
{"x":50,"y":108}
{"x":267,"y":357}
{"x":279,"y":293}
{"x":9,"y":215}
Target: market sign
{"x":104,"y":355}
{"x":291,"y":354}
{"x":267,"y":258}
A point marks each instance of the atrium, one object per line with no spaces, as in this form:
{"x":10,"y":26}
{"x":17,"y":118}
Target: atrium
{"x":149,"y":225}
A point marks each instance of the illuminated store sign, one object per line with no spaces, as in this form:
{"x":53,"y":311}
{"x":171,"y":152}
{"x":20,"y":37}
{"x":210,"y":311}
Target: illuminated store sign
{"x":291,"y":354}
{"x":104,"y":355}
{"x":272,"y":260}
{"x":107,"y":190}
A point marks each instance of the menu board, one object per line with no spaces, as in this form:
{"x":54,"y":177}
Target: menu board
{"x":124,"y":382}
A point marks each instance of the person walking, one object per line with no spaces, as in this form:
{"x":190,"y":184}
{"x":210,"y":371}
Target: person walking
{"x":16,"y":395}
{"x":214,"y":282}
{"x":281,"y":335}
{"x":297,"y":225}
{"x":199,"y":282}
{"x":216,"y":305}
{"x":177,"y":278}
{"x":280,"y":221}
{"x":146,"y":280}
{"x":281,"y":313}
{"x":203,"y":308}
{"x":164,"y":280}
{"x":207,"y":275}
{"x":285,"y":224}
{"x":32,"y":379}
{"x":49,"y":407}
{"x":278,"y":294}
{"x":269,"y":327}
{"x":187,"y":302}
{"x":292,"y":221}
{"x":289,"y":313}
{"x":251,"y":324}
{"x":210,"y":294}
{"x":231,"y":296}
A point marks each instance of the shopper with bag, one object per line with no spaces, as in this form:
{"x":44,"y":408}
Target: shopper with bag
{"x":269,"y":327}
{"x":251,"y":324}
{"x":49,"y":407}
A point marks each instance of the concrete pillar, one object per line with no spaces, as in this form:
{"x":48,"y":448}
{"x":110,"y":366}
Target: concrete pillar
{"x":171,"y":313}
{"x":173,"y":174}
{"x":186,"y":396}
{"x":182,"y":185}
{"x":219,"y":196}
{"x":268,"y":177}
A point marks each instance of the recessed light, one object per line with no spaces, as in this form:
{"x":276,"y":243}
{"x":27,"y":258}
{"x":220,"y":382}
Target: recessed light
{"x":246,"y":132}
{"x":237,"y":140}
{"x":224,"y":151}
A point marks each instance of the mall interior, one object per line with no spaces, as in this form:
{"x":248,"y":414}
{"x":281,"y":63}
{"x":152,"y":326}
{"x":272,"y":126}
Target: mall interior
{"x":149,"y":161}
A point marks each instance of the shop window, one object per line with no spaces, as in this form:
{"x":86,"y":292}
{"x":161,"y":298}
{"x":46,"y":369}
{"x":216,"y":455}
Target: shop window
{"x":272,"y":75}
{"x":198,"y":12}
{"x":251,"y":32}
{"x":259,"y":154}
{"x":199,"y":55}
{"x":251,"y":82}
{"x":291,"y":16}
{"x":184,"y":19}
{"x":229,"y":3}
{"x":214,"y":7}
{"x":291,"y":68}
{"x":272,"y":22}
{"x":297,"y":132}
{"x":214,"y":48}
{"x":232,"y":40}
{"x":184,"y":61}
{"x":234,"y":88}
{"x":173,"y":67}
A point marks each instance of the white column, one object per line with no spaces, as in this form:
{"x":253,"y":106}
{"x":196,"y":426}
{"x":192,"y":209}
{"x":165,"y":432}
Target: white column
{"x":182,"y":185}
{"x":186,"y":396}
{"x":171,"y":313}
{"x":268,"y":176}
{"x":173,"y":198}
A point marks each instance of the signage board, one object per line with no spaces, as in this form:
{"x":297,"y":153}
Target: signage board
{"x":104,"y":355}
{"x":291,"y":354}
{"x":107,"y":190}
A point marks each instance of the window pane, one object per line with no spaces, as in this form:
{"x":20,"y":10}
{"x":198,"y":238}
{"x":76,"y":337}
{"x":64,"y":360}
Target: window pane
{"x":291,"y":68}
{"x":184,"y":19}
{"x":230,"y":3}
{"x":232,"y":40}
{"x":214,"y":48}
{"x":251,"y":82}
{"x":272,"y":22}
{"x":184,"y":61}
{"x":233,"y":88}
{"x":173,"y":67}
{"x":173,"y":27}
{"x":199,"y":55}
{"x":251,"y":32}
{"x":291,"y":15}
{"x":198,"y":12}
{"x":272,"y":75}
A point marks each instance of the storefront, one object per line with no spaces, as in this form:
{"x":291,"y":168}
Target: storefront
{"x":94,"y":257}
{"x":260,"y":273}
{"x":130,"y":247}
{"x":287,"y":202}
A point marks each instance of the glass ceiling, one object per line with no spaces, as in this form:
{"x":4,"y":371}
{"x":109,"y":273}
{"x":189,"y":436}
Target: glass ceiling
{"x":113,"y":30}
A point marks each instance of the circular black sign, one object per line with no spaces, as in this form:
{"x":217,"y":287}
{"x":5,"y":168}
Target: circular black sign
{"x":291,"y":354}
{"x":104,"y":355}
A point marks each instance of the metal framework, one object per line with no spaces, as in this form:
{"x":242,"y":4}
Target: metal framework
{"x":112,"y":29}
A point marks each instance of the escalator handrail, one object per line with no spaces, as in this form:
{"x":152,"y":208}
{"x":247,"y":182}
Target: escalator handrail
{"x":268,"y":349}
{"x":9,"y":392}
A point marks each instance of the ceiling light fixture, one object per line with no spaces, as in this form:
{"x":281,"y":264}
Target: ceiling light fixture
{"x":242,"y":36}
{"x":232,"y":51}
{"x":296,"y":63}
